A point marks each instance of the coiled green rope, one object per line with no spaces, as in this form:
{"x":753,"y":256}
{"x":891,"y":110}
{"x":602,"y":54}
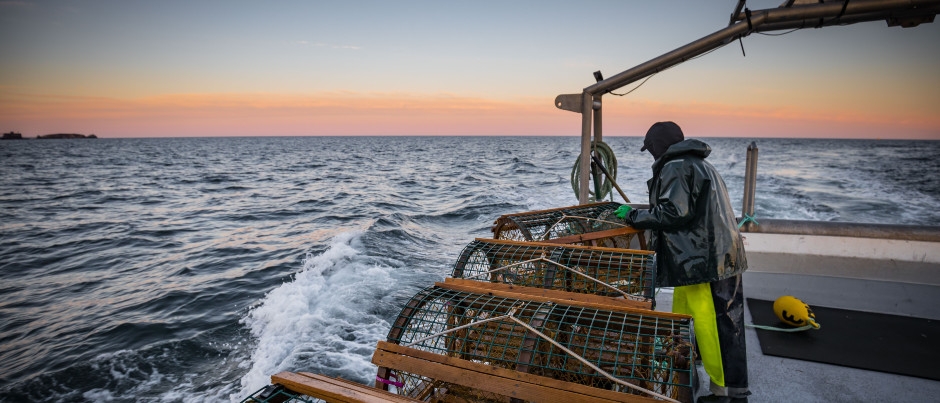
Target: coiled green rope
{"x":606,"y":155}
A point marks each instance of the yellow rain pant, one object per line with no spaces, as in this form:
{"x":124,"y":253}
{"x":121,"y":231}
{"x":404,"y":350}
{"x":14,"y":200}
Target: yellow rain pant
{"x":696,"y":300}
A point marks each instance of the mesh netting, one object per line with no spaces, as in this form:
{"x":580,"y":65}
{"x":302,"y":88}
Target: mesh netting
{"x":278,"y":394}
{"x":580,"y":269}
{"x":563,"y":222}
{"x":648,"y":349}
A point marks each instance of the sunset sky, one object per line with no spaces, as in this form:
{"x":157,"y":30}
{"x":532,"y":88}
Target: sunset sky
{"x":234,"y":68}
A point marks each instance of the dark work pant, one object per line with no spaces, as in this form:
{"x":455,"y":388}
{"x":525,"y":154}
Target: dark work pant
{"x":728,"y":297}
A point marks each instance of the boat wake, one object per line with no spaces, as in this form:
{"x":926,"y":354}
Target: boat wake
{"x":326,"y":318}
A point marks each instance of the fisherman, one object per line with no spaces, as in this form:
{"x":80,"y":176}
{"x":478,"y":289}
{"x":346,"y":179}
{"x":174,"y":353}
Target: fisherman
{"x":699,"y":251}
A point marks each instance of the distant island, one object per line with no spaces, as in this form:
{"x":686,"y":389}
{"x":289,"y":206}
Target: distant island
{"x":19,"y":136}
{"x":66,"y":136}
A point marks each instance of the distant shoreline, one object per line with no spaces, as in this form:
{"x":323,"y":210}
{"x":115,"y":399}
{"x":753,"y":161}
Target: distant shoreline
{"x":19,"y":136}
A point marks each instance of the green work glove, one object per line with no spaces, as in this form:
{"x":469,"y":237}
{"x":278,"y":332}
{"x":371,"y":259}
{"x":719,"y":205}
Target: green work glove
{"x":622,"y":211}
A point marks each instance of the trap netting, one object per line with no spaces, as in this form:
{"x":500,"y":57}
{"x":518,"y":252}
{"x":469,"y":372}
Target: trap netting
{"x":620,"y":350}
{"x":565,"y":224}
{"x":603,"y":271}
{"x":278,"y":394}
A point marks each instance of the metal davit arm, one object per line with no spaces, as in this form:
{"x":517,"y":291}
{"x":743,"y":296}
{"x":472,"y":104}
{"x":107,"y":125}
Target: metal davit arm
{"x":806,"y":15}
{"x":905,"y":13}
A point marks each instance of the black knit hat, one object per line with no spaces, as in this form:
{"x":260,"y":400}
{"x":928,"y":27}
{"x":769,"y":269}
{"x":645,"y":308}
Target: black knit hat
{"x":662,"y":135}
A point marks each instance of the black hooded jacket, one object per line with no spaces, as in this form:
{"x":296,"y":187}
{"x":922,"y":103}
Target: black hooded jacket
{"x":694,"y":233}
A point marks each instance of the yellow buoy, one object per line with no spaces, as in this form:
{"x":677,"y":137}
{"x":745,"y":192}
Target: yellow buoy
{"x":794,"y":312}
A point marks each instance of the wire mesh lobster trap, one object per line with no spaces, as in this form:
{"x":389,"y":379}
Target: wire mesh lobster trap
{"x":278,"y":394}
{"x":580,"y":269}
{"x":588,"y":224}
{"x":622,"y":351}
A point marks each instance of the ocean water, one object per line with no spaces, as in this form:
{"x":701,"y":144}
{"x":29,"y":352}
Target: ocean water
{"x":191,"y":269}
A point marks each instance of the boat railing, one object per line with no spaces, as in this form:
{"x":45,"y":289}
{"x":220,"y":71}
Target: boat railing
{"x":846,"y":229}
{"x":752,"y":224}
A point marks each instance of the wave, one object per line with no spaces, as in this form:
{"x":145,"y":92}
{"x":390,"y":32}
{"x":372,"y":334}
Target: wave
{"x":150,"y":374}
{"x":322,"y":319}
{"x":247,"y":264}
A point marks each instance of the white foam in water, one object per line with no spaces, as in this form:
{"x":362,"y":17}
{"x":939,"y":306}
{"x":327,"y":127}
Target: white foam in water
{"x":548,"y":197}
{"x":321,"y":319}
{"x":133,"y":379}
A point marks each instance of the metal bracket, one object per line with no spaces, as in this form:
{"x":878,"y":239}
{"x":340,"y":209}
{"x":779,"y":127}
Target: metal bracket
{"x":569,"y":102}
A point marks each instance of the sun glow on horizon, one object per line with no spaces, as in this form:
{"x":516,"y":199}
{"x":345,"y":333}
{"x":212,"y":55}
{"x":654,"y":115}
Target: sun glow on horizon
{"x":352,"y":113}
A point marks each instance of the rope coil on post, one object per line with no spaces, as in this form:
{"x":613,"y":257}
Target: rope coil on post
{"x":606,"y":155}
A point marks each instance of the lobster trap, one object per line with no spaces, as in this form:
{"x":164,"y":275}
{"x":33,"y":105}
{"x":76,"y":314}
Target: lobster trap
{"x":278,"y":394}
{"x":588,"y":224}
{"x":603,"y":271}
{"x":449,"y":333}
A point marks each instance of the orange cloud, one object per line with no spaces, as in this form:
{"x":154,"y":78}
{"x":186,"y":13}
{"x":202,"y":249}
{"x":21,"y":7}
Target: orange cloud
{"x":351,"y":113}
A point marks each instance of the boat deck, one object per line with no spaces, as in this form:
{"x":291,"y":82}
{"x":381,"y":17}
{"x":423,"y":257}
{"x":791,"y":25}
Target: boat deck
{"x":776,"y":379}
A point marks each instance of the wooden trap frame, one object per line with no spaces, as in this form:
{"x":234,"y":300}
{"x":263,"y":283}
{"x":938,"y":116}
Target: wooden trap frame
{"x":587,"y":224}
{"x":454,"y":342}
{"x":625,"y":273}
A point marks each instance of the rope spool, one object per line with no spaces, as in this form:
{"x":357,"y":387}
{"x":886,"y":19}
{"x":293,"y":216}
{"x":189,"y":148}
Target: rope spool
{"x":606,"y":155}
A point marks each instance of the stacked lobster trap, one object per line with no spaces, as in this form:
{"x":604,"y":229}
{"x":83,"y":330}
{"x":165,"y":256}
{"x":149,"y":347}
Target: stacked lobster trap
{"x":587,"y":224}
{"x":621,"y":351}
{"x":554,"y":308}
{"x":578,"y":269}
{"x":553,"y":299}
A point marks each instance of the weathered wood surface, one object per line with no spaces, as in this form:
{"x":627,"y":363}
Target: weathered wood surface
{"x":592,"y":236}
{"x":552,"y":245}
{"x":502,"y":381}
{"x":536,"y":294}
{"x":335,"y":389}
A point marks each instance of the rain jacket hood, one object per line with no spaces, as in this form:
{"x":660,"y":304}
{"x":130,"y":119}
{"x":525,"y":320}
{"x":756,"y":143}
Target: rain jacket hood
{"x":693,"y":226}
{"x":691,"y":146}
